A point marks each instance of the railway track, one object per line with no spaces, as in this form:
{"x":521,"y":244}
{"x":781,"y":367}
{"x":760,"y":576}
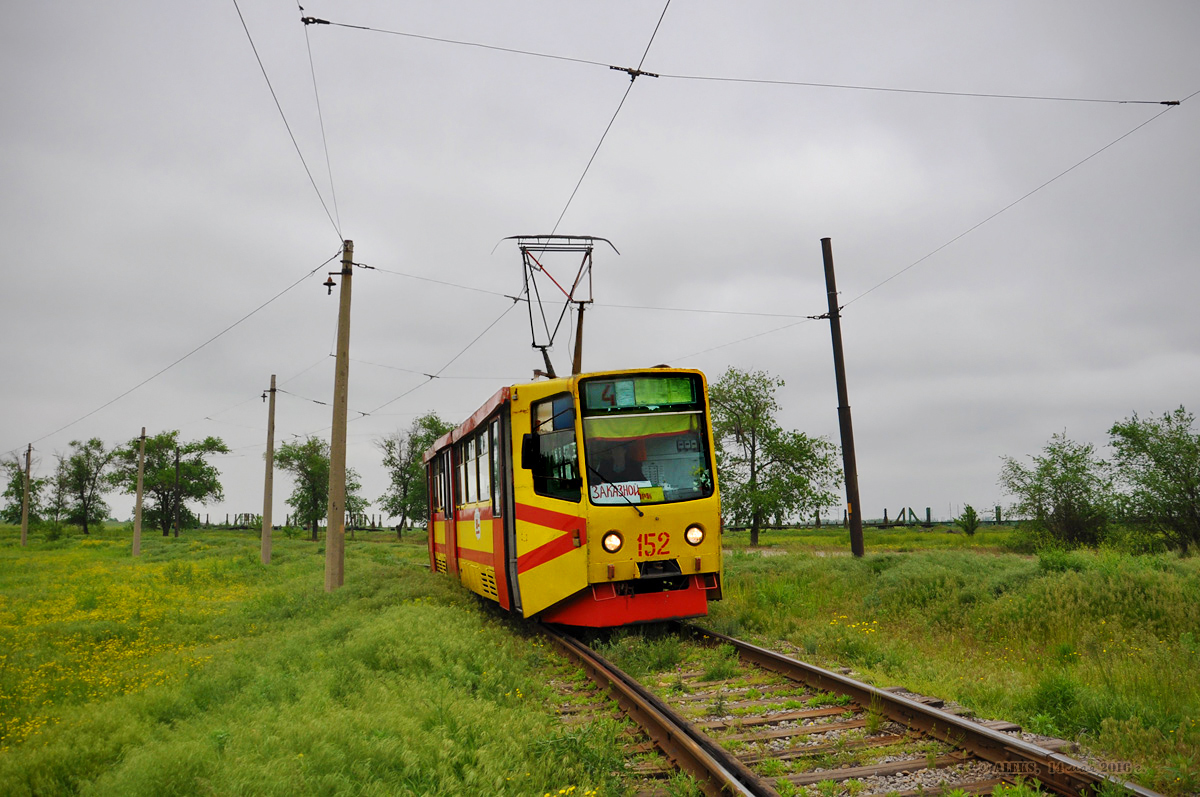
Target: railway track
{"x":780,"y":725}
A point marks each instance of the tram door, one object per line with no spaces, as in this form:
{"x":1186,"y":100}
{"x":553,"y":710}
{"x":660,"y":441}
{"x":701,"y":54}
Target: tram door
{"x":504,"y":484}
{"x":451,"y":502}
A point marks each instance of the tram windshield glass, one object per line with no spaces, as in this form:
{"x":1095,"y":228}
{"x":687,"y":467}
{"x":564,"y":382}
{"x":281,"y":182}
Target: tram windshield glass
{"x":645,"y":440}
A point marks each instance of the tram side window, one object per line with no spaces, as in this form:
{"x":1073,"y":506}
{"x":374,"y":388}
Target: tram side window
{"x":556,"y":466}
{"x":485,"y":466}
{"x":472,"y":473}
{"x":435,"y":487}
{"x":495,"y":438}
{"x":456,"y":476}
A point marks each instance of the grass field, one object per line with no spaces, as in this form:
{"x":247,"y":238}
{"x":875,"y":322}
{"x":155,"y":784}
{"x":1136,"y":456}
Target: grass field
{"x":1101,"y":647}
{"x":196,"y":670}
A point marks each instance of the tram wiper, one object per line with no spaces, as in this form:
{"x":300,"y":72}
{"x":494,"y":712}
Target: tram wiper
{"x":604,"y":479}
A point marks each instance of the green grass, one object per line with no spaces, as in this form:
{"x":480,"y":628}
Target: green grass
{"x":196,"y":670}
{"x":1100,"y":647}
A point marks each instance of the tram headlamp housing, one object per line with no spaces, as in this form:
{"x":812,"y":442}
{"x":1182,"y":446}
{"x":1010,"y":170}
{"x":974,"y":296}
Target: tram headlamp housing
{"x":612,"y":541}
{"x":694,"y":534}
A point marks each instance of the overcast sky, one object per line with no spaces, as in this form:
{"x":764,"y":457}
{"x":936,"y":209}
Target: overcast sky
{"x":152,"y":197}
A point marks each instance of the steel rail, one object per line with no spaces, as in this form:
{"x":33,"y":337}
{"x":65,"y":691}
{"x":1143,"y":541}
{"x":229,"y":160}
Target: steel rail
{"x":717,"y":771}
{"x":1063,"y":774}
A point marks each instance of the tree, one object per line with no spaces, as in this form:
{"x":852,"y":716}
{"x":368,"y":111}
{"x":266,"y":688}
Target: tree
{"x":199,"y":479}
{"x":308,"y":462}
{"x":1158,"y":462}
{"x":1067,"y":493}
{"x":764,"y":470}
{"x":84,"y":472}
{"x":14,"y":492}
{"x":407,"y":495}
{"x":968,"y":521}
{"x":58,"y":500}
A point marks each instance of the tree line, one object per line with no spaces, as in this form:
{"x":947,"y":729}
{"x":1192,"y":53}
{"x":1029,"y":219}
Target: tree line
{"x":767,"y":473}
{"x":174,"y":474}
{"x":1147,"y":494}
{"x":1145,"y":497}
{"x":178,"y":474}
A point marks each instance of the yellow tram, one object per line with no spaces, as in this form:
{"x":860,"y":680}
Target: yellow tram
{"x":590,"y":500}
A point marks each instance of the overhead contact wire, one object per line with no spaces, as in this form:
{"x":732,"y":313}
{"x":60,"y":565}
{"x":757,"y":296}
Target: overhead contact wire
{"x":897,"y":90}
{"x":964,"y":233}
{"x":608,"y":127}
{"x":283,"y":116}
{"x":442,"y":282}
{"x":734,"y":79}
{"x":741,"y":340}
{"x":1016,"y":202}
{"x":633,"y":75}
{"x":321,"y":119}
{"x":437,"y":374}
{"x":163,"y":370}
{"x":462,"y":43}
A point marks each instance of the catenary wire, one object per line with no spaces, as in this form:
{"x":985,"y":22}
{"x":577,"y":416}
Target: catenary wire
{"x":734,"y":79}
{"x":608,"y":127}
{"x":697,"y":310}
{"x":430,"y":377}
{"x":1014,"y":203}
{"x":422,"y":373}
{"x":460,"y":42}
{"x":740,"y":340}
{"x":313,"y":400}
{"x":321,"y":119}
{"x":960,"y":235}
{"x":282,"y":115}
{"x":441,"y":282}
{"x":163,"y":370}
{"x":899,"y":90}
{"x":633,"y":74}
{"x":595,"y":303}
{"x":210,"y":417}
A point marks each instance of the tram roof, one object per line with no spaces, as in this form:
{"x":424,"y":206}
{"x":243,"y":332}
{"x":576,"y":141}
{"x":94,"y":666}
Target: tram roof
{"x":502,"y":395}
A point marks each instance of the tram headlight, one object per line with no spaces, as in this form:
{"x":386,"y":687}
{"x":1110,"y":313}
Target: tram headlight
{"x":694,"y":534}
{"x":612,"y":541}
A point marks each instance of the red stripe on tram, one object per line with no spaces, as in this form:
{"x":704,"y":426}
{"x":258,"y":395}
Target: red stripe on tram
{"x":571,"y":524}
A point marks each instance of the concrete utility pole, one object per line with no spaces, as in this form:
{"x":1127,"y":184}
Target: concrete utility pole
{"x":335,"y":526}
{"x":25,"y":498}
{"x":269,"y":482}
{"x":849,"y":464}
{"x":137,"y":505}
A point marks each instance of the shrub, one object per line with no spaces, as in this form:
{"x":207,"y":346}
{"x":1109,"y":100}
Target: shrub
{"x":1134,"y":538}
{"x":968,"y":521}
{"x":1067,"y":493}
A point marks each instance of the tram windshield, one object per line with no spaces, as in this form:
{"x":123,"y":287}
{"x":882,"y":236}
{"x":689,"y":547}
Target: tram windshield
{"x":645,"y":440}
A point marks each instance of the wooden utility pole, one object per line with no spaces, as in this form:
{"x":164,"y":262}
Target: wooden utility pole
{"x":25,"y":498}
{"x":269,"y":482}
{"x":849,"y":464}
{"x":177,"y":495}
{"x":137,"y":504}
{"x":335,"y":525}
